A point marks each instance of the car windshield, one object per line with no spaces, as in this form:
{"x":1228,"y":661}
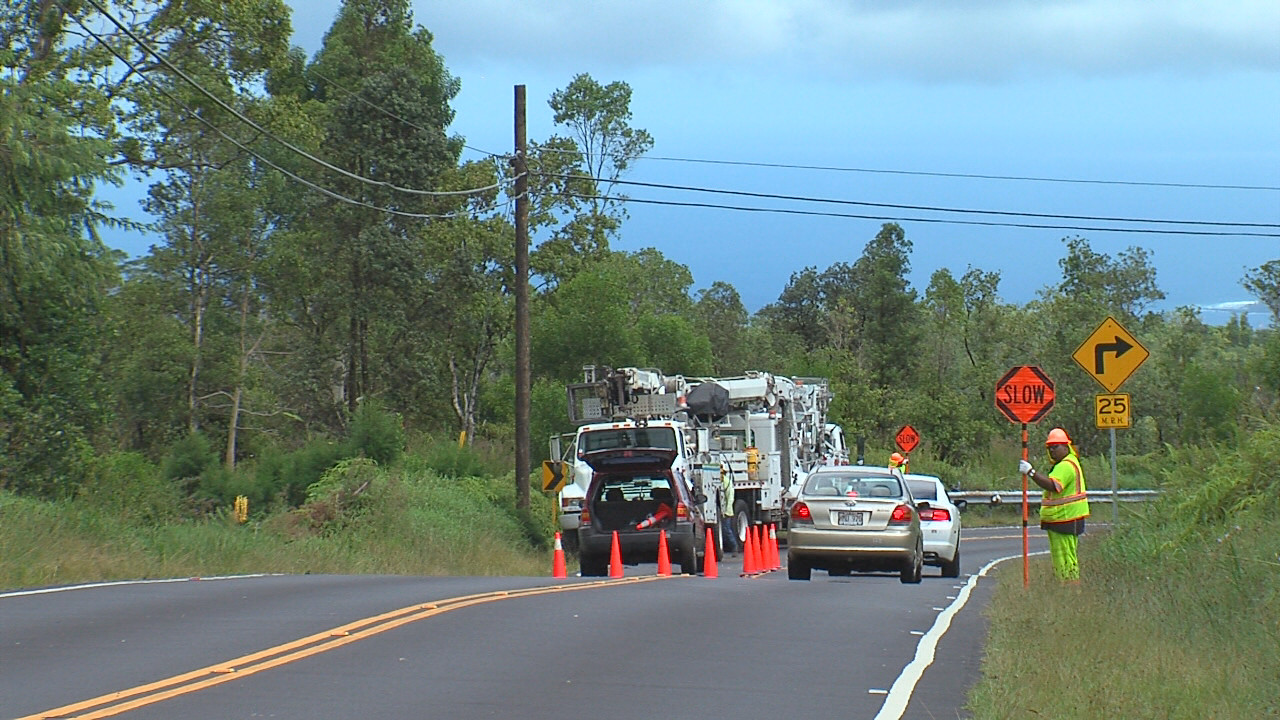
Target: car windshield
{"x":613,"y":438}
{"x":923,"y":489}
{"x":835,"y":484}
{"x":625,"y":488}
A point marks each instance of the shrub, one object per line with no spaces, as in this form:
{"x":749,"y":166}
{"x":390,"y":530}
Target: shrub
{"x":187,"y":460}
{"x":128,"y":486}
{"x":375,"y":433}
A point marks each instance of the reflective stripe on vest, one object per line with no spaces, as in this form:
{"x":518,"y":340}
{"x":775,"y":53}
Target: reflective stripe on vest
{"x":1055,"y":509}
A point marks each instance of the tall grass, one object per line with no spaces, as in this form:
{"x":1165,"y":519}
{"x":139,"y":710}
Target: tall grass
{"x":408,"y":520}
{"x":1178,"y":614}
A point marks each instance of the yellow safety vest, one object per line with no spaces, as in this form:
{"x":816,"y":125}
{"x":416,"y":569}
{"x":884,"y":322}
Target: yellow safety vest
{"x":1073,"y":502}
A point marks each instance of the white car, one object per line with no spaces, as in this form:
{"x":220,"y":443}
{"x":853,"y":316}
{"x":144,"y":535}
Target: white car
{"x":941,"y":523}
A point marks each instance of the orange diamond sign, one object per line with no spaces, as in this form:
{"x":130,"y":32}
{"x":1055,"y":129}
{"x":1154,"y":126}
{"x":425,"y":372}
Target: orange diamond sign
{"x":907,"y":439}
{"x":1024,"y":394}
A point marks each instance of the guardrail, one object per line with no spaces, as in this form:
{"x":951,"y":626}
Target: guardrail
{"x":1014,"y":497}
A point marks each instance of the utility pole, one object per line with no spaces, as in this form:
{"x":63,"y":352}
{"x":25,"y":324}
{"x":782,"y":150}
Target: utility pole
{"x":522,"y":307}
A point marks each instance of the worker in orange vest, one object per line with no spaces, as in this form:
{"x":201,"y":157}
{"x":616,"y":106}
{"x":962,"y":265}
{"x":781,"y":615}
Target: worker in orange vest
{"x":1064,"y":504}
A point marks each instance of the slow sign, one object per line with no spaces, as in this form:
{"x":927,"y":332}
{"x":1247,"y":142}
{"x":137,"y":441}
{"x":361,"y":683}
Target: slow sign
{"x":1024,"y":394}
{"x":907,"y":439}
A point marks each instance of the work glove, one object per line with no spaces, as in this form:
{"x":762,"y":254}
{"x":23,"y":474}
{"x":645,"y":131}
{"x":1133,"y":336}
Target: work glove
{"x":1024,"y":467}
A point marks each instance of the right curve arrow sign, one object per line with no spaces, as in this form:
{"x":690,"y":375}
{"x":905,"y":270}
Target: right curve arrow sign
{"x":1110,"y":354}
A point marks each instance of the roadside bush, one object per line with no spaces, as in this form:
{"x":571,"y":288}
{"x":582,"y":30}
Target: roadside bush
{"x":130,"y":487}
{"x":187,"y":460}
{"x":340,"y":495}
{"x":375,"y":433}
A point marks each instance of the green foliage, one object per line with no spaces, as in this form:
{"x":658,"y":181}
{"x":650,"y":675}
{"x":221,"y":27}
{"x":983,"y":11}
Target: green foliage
{"x":376,"y":434}
{"x":341,"y":494}
{"x":449,"y":460}
{"x":130,"y":487}
{"x":187,"y":459}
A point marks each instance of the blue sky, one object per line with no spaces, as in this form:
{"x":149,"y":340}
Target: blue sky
{"x":1126,"y":94}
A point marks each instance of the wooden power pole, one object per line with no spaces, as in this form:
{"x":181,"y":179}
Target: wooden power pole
{"x":522,"y":307}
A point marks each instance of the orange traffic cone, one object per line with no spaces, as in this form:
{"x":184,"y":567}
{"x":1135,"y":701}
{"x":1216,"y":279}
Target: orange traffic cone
{"x":557,"y":564}
{"x":709,"y":562}
{"x":757,"y":552}
{"x":775,"y":562}
{"x":615,"y":558}
{"x":664,"y":560}
{"x":749,"y":564}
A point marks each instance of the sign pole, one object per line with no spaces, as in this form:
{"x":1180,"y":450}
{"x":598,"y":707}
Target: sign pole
{"x":1026,"y":543}
{"x":1115,"y":496}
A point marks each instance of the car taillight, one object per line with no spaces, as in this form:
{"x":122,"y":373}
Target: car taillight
{"x":568,"y":503}
{"x":901,"y":516}
{"x":936,"y":514}
{"x":800,"y":514}
{"x":585,"y":517}
{"x":682,"y":512}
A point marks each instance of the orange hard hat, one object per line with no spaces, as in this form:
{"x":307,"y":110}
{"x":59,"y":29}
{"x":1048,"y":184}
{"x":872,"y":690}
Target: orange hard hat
{"x":1057,"y":436}
{"x":896,"y":457}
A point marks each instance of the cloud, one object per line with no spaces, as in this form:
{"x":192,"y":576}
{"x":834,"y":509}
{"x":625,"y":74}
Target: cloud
{"x":927,"y":40}
{"x":1239,"y":307}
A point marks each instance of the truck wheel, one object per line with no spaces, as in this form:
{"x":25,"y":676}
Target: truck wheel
{"x":741,"y":521}
{"x":593,"y":566}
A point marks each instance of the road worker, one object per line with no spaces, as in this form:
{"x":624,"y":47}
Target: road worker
{"x":898,"y":461}
{"x":1064,"y":504}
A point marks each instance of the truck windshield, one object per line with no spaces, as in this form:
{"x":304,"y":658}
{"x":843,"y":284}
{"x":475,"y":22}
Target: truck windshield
{"x":656,"y":437}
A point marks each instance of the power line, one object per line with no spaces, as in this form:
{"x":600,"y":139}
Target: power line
{"x":250,"y":122}
{"x":922,"y":208}
{"x":944,"y":221}
{"x":261,"y":158}
{"x":965,"y":176}
{"x":968,"y":176}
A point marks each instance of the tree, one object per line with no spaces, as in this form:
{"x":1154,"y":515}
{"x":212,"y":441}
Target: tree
{"x":722,"y":318}
{"x":1264,"y":283}
{"x":54,"y":270}
{"x":363,"y":269}
{"x":582,"y":172}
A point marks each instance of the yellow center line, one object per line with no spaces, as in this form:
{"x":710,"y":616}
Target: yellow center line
{"x":133,"y":698}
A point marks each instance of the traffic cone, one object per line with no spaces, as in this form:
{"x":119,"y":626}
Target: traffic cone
{"x":709,"y":562}
{"x":664,"y":560}
{"x":775,"y":562}
{"x":557,"y":565}
{"x":615,"y":558}
{"x":749,"y":564}
{"x":757,"y":556}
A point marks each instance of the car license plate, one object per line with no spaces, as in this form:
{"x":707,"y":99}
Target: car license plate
{"x":849,"y":518}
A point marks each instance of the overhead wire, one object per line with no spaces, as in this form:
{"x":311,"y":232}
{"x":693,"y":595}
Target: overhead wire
{"x":922,"y":208}
{"x":890,"y":218}
{"x":314,"y":186}
{"x":250,"y":122}
{"x":966,"y":176}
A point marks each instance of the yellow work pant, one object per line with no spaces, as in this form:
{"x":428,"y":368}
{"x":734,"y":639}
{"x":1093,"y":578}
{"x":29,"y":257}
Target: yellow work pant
{"x":1062,"y":548}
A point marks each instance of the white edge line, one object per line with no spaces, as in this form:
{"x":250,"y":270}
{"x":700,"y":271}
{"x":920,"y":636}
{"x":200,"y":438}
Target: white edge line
{"x":87,"y":586}
{"x":900,"y":694}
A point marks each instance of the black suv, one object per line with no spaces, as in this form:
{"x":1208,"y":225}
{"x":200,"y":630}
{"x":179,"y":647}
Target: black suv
{"x":634,"y":492}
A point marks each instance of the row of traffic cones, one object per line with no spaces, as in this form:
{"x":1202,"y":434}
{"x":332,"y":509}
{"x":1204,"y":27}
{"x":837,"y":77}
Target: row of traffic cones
{"x":759,"y":554}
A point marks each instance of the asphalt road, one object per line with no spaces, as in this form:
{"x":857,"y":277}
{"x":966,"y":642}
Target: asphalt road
{"x":316,"y":647}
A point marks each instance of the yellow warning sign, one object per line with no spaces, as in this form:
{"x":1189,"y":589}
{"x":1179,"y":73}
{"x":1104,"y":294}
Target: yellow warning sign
{"x":554,"y":476}
{"x":1111,"y":354}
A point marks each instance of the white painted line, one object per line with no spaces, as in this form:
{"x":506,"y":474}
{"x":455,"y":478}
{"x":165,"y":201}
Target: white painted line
{"x":877,"y":691}
{"x":917,"y":632}
{"x":900,"y":694}
{"x":87,"y":586}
